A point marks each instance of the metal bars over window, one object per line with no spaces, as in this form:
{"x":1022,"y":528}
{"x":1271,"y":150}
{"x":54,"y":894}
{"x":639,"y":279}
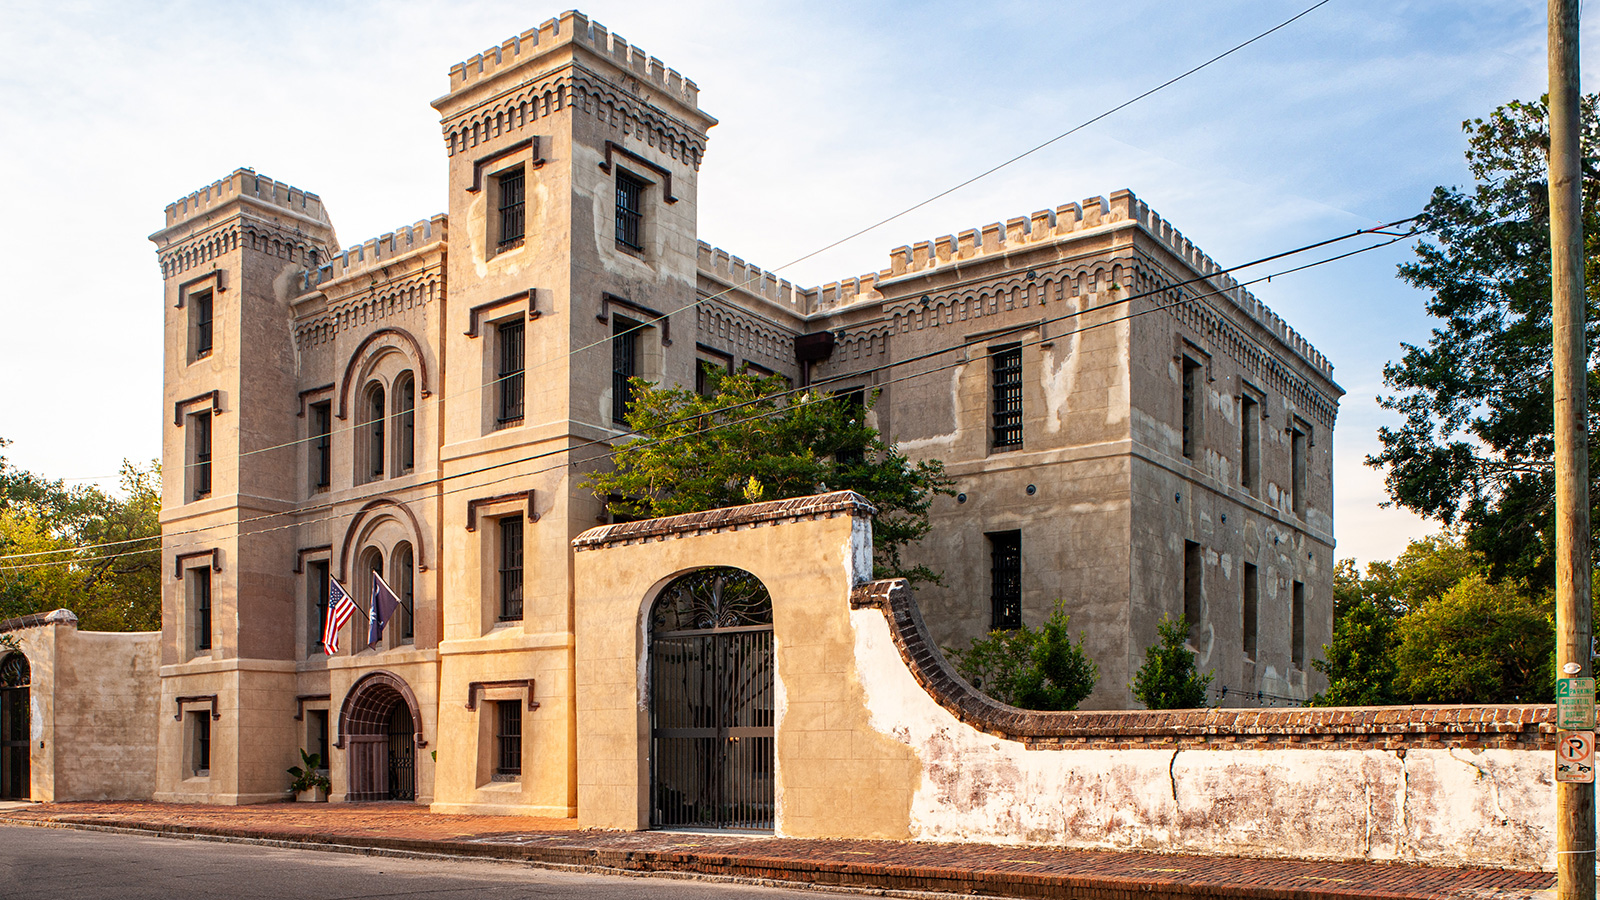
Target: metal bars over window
{"x":201,"y":464}
{"x":1006,"y":375}
{"x":200,"y":312}
{"x":321,"y":446}
{"x":1005,"y":579}
{"x":200,"y":587}
{"x":508,"y":737}
{"x":510,"y":373}
{"x":624,"y":366}
{"x":630,"y":212}
{"x":316,"y":604}
{"x":513,"y":209}
{"x":511,"y":568}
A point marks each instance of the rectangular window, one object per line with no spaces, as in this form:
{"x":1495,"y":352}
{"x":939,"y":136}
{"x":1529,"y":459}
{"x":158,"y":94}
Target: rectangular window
{"x":508,"y":737}
{"x":1006,"y":376}
{"x":510,"y":373}
{"x":316,"y":604}
{"x":1297,"y":625}
{"x":1191,"y":407}
{"x":1297,"y":470}
{"x":405,"y":587}
{"x":321,"y":446}
{"x":200,"y":726}
{"x":1250,"y":600}
{"x":512,"y":209}
{"x":1005,"y":579}
{"x":1249,"y":442}
{"x":511,"y":568}
{"x":405,"y":424}
{"x":200,"y":456}
{"x":624,"y":366}
{"x":709,"y":371}
{"x":1193,"y":573}
{"x":630,"y":212}
{"x":200,"y":602}
{"x":199,"y":325}
{"x":857,"y":399}
{"x":317,"y":734}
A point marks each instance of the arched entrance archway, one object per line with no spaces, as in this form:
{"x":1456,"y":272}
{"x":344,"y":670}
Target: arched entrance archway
{"x":15,"y":677}
{"x":379,"y":728}
{"x":712,"y":702}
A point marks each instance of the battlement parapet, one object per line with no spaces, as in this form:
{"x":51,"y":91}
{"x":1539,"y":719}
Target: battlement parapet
{"x":574,"y":27}
{"x":724,"y":266}
{"x":246,"y":183}
{"x":382,"y":249}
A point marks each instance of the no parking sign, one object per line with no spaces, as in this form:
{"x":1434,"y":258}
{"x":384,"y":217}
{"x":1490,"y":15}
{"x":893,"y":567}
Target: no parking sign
{"x":1575,"y":757}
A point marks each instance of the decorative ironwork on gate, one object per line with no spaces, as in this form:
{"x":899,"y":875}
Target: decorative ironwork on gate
{"x":712,"y":706}
{"x":15,"y":676}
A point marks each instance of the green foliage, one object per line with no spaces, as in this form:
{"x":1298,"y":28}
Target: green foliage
{"x":750,"y":442}
{"x":1031,"y":669}
{"x":306,"y":775}
{"x":1476,"y":444}
{"x":1168,"y":679}
{"x":1431,"y":627}
{"x":115,"y":588}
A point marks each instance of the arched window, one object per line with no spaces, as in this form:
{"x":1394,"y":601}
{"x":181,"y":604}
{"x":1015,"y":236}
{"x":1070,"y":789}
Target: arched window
{"x":371,"y":567}
{"x":404,"y":586}
{"x":373,"y":414}
{"x":405,"y":423}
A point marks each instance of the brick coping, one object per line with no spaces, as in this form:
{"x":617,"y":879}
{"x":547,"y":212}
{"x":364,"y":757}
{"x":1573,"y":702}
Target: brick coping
{"x":753,"y":515}
{"x":1397,"y":728}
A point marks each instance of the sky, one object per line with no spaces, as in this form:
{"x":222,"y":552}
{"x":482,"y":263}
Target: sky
{"x":832,"y":117}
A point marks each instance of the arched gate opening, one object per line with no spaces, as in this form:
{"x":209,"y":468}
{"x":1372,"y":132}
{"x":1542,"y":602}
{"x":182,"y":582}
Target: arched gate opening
{"x":712,"y":703}
{"x":378,"y":728}
{"x":15,"y":677}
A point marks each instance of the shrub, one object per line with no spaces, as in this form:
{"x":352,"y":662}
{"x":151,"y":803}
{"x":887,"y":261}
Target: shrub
{"x":1168,"y":679}
{"x":1031,"y":669}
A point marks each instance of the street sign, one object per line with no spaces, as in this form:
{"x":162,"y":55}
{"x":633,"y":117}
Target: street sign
{"x":1575,"y":757}
{"x":1575,"y":704}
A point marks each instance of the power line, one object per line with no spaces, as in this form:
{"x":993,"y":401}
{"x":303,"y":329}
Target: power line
{"x":852,"y":236}
{"x":782,"y":394}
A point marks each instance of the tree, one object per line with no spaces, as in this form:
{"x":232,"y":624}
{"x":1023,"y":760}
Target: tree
{"x":1360,"y":662}
{"x":1031,"y":669}
{"x":1480,"y":642}
{"x":753,"y":440}
{"x":110,"y":588}
{"x":1168,"y":679}
{"x":1476,"y":443}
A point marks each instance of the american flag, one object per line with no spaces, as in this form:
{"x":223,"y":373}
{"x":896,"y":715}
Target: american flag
{"x":340,"y":608}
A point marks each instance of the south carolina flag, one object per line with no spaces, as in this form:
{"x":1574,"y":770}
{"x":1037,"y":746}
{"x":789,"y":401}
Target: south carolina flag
{"x":384,"y":603}
{"x":340,"y":608}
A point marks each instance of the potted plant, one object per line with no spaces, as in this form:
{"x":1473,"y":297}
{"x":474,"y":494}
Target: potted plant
{"x":309,"y":785}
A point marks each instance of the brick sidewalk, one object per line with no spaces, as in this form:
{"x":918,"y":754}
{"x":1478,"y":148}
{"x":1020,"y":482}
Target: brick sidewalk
{"x":1022,"y":872}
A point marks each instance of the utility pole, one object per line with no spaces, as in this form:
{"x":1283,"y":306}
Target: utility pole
{"x":1575,"y":849}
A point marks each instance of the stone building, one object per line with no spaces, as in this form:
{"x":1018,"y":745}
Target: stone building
{"x":1129,"y":430}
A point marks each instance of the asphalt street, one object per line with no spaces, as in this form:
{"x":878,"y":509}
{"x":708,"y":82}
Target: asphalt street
{"x":51,"y":863}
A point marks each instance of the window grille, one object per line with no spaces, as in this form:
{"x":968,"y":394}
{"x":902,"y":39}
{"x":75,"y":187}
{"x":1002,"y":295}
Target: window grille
{"x":201,"y":310}
{"x":511,"y":568}
{"x":202,"y":742}
{"x":1007,"y":378}
{"x":512,"y":209}
{"x":202,"y":455}
{"x":321,"y":445}
{"x":630,"y":211}
{"x":624,"y":365}
{"x":1191,"y":409}
{"x":511,"y":373}
{"x":375,"y":416}
{"x":508,"y":763}
{"x":1005,"y":579}
{"x":404,"y":563}
{"x":316,"y":604}
{"x":200,"y":583}
{"x":405,"y":424}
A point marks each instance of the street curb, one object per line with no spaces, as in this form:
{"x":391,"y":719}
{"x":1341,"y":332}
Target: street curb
{"x":843,"y":877}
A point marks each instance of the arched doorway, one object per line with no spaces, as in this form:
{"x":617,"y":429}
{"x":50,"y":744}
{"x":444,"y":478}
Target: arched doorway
{"x":378,"y":729}
{"x":712,"y":702}
{"x":15,"y":677}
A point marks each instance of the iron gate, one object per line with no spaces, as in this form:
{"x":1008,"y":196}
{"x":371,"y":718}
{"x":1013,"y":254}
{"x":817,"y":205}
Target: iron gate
{"x":712,"y":703}
{"x":14,"y":728}
{"x":402,"y":755}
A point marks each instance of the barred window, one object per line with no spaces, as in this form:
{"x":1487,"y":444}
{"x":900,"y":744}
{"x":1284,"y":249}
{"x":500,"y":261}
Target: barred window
{"x":372,"y":431}
{"x":1297,"y":625}
{"x":201,"y":726}
{"x":511,"y":568}
{"x":405,"y":423}
{"x":321,"y":445}
{"x":1005,"y":579}
{"x":1006,"y":375}
{"x":512,"y":209}
{"x":510,"y":373}
{"x":200,"y":456}
{"x":630,"y":211}
{"x":316,"y":604}
{"x":508,"y":737}
{"x":624,"y":366}
{"x":200,"y":591}
{"x":405,"y":589}
{"x":200,"y":310}
{"x":1191,"y":407}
